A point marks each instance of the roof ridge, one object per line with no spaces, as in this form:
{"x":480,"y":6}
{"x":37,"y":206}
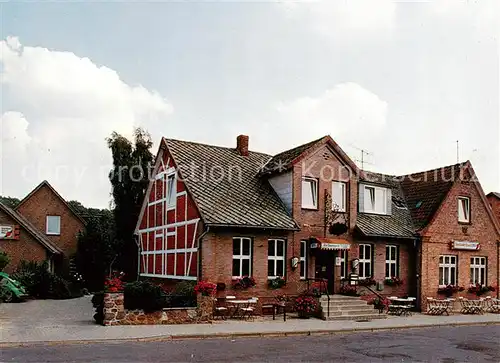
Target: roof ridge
{"x":435,"y":169}
{"x":212,"y":145}
{"x":310,"y":143}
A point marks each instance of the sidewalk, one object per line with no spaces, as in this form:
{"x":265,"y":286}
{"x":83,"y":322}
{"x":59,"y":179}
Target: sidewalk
{"x":11,"y":334}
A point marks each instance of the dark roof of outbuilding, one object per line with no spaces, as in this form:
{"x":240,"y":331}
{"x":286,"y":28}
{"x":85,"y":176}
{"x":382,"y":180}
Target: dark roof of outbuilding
{"x":425,"y":191}
{"x":494,"y":194}
{"x":399,"y":223}
{"x":24,"y":223}
{"x":227,"y":187}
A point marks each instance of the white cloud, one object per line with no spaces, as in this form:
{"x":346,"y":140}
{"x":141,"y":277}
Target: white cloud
{"x":342,"y":18}
{"x":347,"y":112}
{"x":58,"y":111}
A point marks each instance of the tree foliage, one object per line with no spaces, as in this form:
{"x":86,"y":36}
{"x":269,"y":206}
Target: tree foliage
{"x":10,"y":202}
{"x":96,"y":248}
{"x":129,"y":179}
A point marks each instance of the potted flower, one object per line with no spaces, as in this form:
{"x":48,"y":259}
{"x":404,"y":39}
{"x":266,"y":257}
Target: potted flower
{"x":393,"y":281}
{"x":205,"y":288}
{"x":449,"y":290}
{"x":276,"y":283}
{"x":306,"y":306}
{"x":243,"y":282}
{"x":114,"y":282}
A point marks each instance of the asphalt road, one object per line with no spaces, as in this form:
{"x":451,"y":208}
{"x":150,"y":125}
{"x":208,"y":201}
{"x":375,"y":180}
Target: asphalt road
{"x":449,"y":344}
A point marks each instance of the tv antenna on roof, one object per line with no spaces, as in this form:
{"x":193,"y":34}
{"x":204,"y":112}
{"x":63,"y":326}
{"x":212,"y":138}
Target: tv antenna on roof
{"x":362,"y":160}
{"x":458,"y":157}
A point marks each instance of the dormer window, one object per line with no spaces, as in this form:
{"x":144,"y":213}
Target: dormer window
{"x":464,"y":209}
{"x":309,"y":193}
{"x":375,"y":199}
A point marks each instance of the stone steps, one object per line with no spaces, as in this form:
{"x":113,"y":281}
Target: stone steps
{"x":348,"y":308}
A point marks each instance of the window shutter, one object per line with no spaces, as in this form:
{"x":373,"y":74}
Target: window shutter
{"x":361,"y":198}
{"x":389,"y":201}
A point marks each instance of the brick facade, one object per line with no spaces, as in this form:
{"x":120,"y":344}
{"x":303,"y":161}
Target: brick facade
{"x":25,"y":248}
{"x":445,"y":228}
{"x":494,"y":201}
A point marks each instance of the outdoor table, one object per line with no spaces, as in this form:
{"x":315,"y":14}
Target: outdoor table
{"x":238,"y":307}
{"x":439,"y":307}
{"x":400,"y":306}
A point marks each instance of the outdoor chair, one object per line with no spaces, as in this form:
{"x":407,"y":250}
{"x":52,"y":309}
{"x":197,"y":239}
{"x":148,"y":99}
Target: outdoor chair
{"x":220,"y":308}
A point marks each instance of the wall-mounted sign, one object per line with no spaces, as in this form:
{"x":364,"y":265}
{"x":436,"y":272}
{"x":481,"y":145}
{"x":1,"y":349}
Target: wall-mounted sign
{"x":9,"y":232}
{"x":465,"y":245}
{"x":331,"y":246}
{"x":338,"y":261}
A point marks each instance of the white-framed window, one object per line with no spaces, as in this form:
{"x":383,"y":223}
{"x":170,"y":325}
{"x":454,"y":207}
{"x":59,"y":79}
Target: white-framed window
{"x":391,"y":261}
{"x":171,"y":190}
{"x":309,"y":193}
{"x":242,"y":256}
{"x":276,"y":258}
{"x":478,"y":270}
{"x":447,"y":270}
{"x":375,"y":199}
{"x":344,"y":264}
{"x":339,"y":196}
{"x":53,"y":225}
{"x":365,"y":260}
{"x":464,"y":209}
{"x":303,"y":259}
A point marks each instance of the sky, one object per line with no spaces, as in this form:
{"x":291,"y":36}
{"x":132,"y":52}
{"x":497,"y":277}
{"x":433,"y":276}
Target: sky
{"x":401,"y":80}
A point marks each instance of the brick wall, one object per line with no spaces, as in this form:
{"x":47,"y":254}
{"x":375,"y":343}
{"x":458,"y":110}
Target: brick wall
{"x":26,"y":248}
{"x":43,"y":203}
{"x":495,"y":206}
{"x":446,"y":228}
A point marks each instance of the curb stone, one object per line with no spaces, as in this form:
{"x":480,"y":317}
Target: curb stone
{"x":242,"y":335}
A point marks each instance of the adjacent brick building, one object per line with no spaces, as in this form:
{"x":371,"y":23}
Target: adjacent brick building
{"x":217,"y":213}
{"x":49,"y":218}
{"x":494,"y":200}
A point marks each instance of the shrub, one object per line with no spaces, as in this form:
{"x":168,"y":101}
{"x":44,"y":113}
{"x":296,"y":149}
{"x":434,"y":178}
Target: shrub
{"x":41,"y":283}
{"x":276,"y":283}
{"x":4,"y":260}
{"x":306,"y":304}
{"x":184,"y":288}
{"x":144,"y":295}
{"x":205,"y":288}
{"x":348,"y":290}
{"x":98,"y":304}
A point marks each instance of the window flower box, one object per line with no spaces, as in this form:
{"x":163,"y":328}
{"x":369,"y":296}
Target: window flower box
{"x":276,"y":283}
{"x":479,"y":289}
{"x":244,"y":282}
{"x":449,"y":290}
{"x":393,"y":281}
{"x":369,"y":281}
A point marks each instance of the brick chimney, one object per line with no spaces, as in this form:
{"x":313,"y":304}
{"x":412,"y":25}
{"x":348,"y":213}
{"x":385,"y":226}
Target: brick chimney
{"x":242,"y":145}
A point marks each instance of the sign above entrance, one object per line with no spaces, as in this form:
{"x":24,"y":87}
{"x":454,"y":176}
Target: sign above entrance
{"x":329,"y":244}
{"x":465,"y":245}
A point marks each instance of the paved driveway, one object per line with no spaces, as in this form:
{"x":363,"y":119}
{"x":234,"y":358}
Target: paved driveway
{"x":47,"y":313}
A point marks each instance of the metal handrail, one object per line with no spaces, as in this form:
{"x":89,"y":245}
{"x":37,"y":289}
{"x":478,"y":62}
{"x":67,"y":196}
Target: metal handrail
{"x":323,"y":283}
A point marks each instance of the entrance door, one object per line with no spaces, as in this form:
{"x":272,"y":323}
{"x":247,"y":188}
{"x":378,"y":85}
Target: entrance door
{"x":325,"y":262}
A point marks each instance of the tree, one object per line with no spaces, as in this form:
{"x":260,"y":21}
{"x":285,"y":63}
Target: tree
{"x":96,"y":248}
{"x":10,"y":202}
{"x":129,"y":179}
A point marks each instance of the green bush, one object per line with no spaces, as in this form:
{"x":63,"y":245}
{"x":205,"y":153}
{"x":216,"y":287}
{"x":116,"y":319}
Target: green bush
{"x":4,"y":260}
{"x":185,"y":288}
{"x":144,"y":295}
{"x":41,"y":283}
